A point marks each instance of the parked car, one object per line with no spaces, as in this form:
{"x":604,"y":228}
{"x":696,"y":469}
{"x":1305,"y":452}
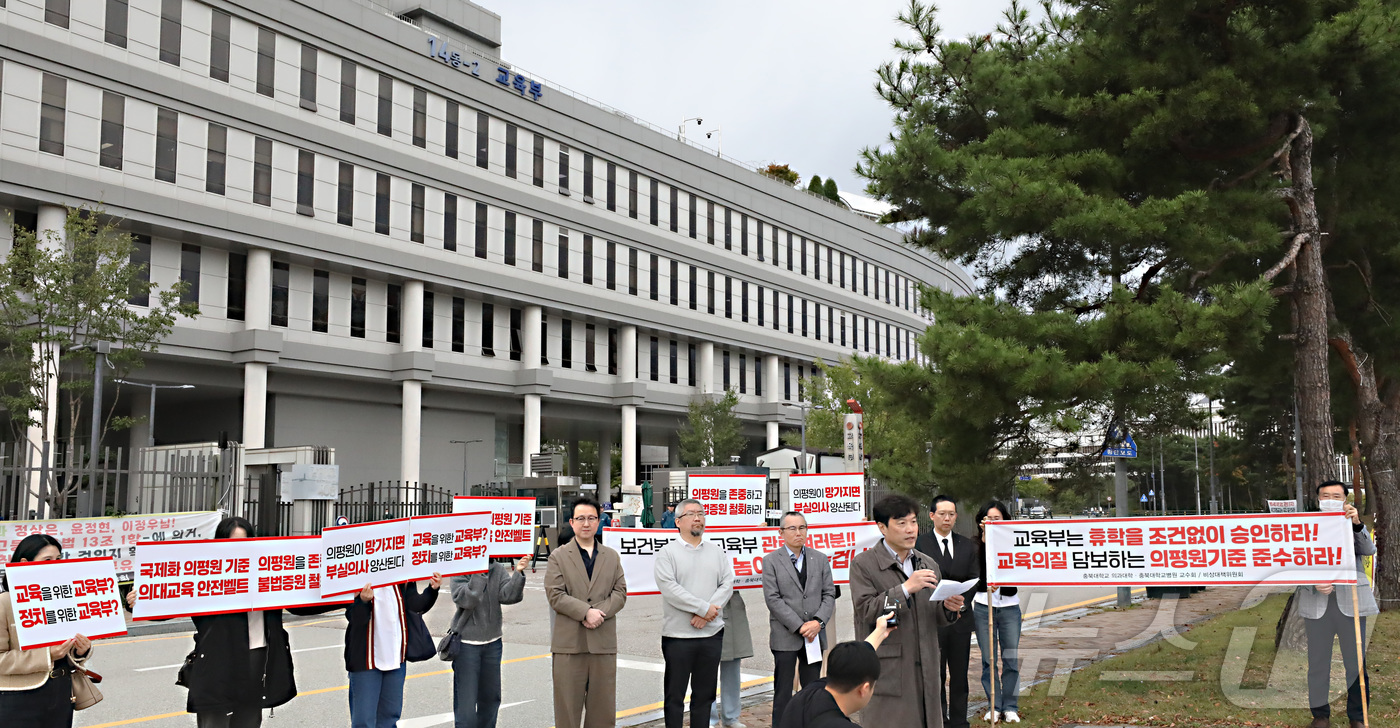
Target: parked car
{"x":1038,"y":512}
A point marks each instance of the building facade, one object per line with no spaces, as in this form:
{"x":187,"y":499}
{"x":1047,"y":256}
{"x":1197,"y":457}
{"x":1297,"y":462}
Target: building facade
{"x":397,"y":240}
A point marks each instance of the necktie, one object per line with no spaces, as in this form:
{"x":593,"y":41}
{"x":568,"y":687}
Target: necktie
{"x":947,"y":550}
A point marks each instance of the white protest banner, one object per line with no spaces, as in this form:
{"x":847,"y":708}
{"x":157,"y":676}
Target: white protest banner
{"x":185,"y":578}
{"x":828,"y":497}
{"x":54,"y":600}
{"x":449,"y":544}
{"x":746,"y":546}
{"x":1255,"y":548}
{"x":114,"y":537}
{"x":512,"y":522}
{"x":286,"y":573}
{"x":730,"y":500}
{"x":366,"y":553}
{"x":1283,"y":506}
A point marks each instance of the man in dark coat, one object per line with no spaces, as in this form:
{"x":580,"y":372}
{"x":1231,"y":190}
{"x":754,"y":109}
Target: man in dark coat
{"x":893,"y":575}
{"x":956,"y":556}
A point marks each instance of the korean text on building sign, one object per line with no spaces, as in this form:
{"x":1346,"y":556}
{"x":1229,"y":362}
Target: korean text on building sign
{"x":512,"y":522}
{"x":828,"y":497}
{"x":746,"y":546}
{"x":730,"y":500}
{"x":1297,"y":548}
{"x":113,"y":537}
{"x":52,"y":601}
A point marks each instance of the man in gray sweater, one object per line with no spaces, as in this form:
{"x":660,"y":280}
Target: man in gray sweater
{"x":476,"y":670}
{"x":695,"y":578}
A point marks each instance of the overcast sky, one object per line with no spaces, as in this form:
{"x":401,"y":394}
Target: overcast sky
{"x":788,"y":81}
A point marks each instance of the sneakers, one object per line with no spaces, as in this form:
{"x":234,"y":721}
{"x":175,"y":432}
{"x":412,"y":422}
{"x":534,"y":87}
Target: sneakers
{"x":1011,"y":716}
{"x":991,"y":716}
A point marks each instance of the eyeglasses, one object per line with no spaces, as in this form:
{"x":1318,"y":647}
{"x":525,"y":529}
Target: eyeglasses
{"x":793,"y":528}
{"x":585,"y":520}
{"x":695,"y":514}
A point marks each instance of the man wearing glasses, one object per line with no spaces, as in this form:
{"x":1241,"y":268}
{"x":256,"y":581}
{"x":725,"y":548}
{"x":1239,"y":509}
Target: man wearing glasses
{"x":586,"y":588}
{"x":695,"y":578}
{"x":801,"y":597}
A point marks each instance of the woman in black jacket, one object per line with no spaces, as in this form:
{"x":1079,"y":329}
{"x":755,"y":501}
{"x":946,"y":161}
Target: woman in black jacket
{"x":377,"y":648}
{"x":241,"y":662}
{"x":1007,"y":628}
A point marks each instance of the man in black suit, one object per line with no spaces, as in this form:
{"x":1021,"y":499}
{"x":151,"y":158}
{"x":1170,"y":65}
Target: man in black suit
{"x":957,"y":559}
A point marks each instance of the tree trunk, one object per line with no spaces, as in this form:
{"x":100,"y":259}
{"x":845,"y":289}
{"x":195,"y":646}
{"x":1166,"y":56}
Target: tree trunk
{"x":1310,"y":297}
{"x":1378,"y":433}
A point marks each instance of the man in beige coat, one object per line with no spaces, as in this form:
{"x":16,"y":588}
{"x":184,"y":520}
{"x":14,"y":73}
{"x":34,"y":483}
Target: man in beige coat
{"x":894,"y":573}
{"x":586,"y":589}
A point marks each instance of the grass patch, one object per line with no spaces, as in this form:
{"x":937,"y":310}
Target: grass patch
{"x":1249,"y":684}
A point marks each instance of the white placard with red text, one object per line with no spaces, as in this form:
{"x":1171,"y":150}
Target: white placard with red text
{"x":746,"y":547}
{"x":194,"y":577}
{"x":828,"y":497}
{"x":1256,"y":548}
{"x":52,"y":601}
{"x":730,"y":500}
{"x":450,"y":544}
{"x":365,"y":553}
{"x":286,"y":573}
{"x":114,"y":536}
{"x":512,"y":522}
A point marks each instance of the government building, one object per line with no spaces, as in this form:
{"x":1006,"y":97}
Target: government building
{"x":398,"y":240}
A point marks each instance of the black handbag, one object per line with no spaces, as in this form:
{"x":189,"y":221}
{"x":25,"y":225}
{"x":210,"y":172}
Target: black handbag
{"x":419,"y":643}
{"x":182,"y":678}
{"x":449,"y":646}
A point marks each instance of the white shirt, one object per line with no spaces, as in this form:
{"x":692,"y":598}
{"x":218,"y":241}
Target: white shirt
{"x":944,"y":540}
{"x":257,"y":637}
{"x":998,"y":600}
{"x":387,"y":628}
{"x":907,"y":565}
{"x":801,"y":557}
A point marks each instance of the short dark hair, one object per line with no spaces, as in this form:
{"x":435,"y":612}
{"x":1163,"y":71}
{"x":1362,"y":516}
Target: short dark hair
{"x":932,"y":507}
{"x":226,"y":526}
{"x":1345,"y":488}
{"x":585,"y":501}
{"x":851,"y":665}
{"x":893,"y":506}
{"x":28,"y":550}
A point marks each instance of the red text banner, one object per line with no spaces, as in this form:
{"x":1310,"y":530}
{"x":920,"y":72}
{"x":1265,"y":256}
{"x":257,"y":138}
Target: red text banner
{"x":512,"y":522}
{"x":286,"y":573}
{"x":745,"y":545}
{"x":450,"y":544}
{"x":114,"y":537}
{"x":367,"y":553}
{"x":730,"y":500}
{"x":1283,"y":548}
{"x":194,"y":577}
{"x":828,"y":497}
{"x":54,"y":600}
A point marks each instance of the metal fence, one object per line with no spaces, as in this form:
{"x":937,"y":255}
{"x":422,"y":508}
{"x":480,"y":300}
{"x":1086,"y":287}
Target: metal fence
{"x":362,"y":503}
{"x":43,"y":482}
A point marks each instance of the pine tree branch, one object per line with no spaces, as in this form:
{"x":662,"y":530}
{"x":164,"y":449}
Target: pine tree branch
{"x":1288,"y":257}
{"x":1276,"y":156}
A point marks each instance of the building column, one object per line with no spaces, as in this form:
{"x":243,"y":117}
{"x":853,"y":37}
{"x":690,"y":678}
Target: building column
{"x":531,"y":324}
{"x":411,"y":431}
{"x":772,"y":393}
{"x":605,"y":467}
{"x":257,"y":315}
{"x":627,"y":372}
{"x":707,"y":367}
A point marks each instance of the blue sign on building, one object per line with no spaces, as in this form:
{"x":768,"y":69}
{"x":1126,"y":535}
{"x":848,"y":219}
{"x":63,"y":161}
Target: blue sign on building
{"x":504,"y":76}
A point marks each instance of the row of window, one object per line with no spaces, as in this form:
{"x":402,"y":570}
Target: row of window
{"x":754,"y":239}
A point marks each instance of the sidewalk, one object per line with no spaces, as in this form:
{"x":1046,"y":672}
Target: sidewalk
{"x":1052,"y":645}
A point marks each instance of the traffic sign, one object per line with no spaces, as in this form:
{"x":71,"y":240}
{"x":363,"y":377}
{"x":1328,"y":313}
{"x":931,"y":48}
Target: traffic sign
{"x":1023,"y":477}
{"x":1152,"y":493}
{"x":1125,"y":449}
{"x":1142,"y":499}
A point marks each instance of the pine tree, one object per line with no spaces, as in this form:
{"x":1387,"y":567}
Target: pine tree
{"x":815,"y":186}
{"x":829,"y":189}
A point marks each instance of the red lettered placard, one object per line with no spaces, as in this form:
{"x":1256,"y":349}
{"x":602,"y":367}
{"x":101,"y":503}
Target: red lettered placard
{"x":828,"y":497}
{"x":54,"y":600}
{"x":730,"y":500}
{"x":512,"y":522}
{"x":287,"y":573}
{"x":186,"y":578}
{"x":376,"y":554}
{"x":449,"y":544}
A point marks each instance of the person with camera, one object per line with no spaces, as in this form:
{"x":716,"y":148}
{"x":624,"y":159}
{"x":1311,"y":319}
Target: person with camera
{"x":852,"y":669}
{"x":894,"y":576}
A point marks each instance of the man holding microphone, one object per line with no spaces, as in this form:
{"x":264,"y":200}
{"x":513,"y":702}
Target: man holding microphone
{"x":1328,"y":612}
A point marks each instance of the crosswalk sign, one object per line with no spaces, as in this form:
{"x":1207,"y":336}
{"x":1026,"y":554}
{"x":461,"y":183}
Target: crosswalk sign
{"x":1125,"y":449}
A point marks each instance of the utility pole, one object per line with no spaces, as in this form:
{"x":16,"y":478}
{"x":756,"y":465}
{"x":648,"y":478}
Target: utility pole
{"x":100,"y":349}
{"x":1214,"y":495}
{"x":1120,"y":492}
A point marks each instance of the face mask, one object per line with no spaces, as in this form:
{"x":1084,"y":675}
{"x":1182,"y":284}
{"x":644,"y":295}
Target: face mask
{"x":1331,"y":506}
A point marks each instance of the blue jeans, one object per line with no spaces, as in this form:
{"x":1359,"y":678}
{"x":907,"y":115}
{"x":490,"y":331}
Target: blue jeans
{"x":1008,"y":641}
{"x":476,"y":685}
{"x":726,"y":709}
{"x":376,"y":698}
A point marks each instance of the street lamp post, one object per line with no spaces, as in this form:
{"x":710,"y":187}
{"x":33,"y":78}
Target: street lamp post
{"x":151,"y":415}
{"x":802,"y":459}
{"x":464,"y":444}
{"x":698,"y":121}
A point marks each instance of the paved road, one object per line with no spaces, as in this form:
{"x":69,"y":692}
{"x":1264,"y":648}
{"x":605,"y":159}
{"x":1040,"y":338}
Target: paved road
{"x":140,"y":671}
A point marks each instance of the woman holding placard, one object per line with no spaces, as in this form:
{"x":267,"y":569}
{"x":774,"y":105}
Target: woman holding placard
{"x":473,"y":643}
{"x":36,"y":687}
{"x":1003,"y":633}
{"x":378,"y":646}
{"x":241,"y":662}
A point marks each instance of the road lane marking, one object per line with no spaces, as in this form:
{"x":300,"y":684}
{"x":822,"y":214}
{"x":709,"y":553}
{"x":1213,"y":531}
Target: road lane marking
{"x":167,"y":667}
{"x":661,"y":667}
{"x":428,"y":721}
